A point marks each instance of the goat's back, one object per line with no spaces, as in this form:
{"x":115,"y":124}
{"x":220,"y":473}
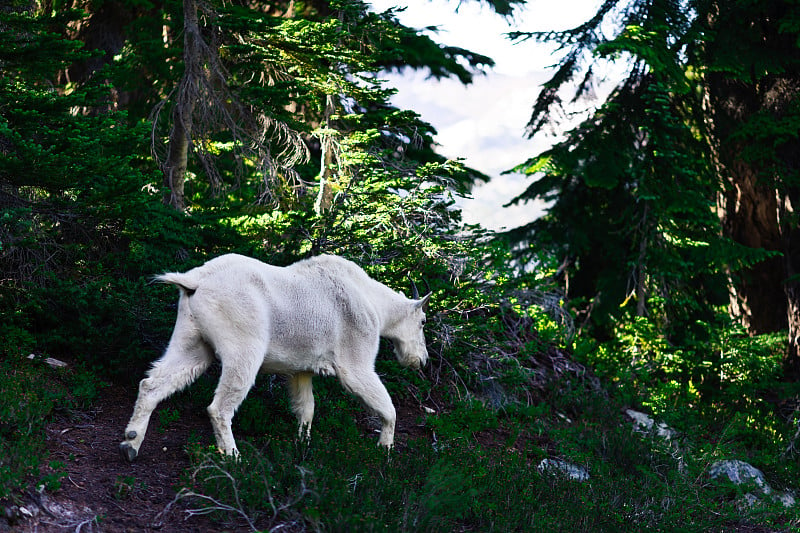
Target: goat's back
{"x":302,"y":314}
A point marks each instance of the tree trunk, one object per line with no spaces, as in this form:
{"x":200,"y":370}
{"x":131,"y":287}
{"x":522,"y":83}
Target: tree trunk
{"x":327,"y":158}
{"x":792,"y":361}
{"x":177,"y":159}
{"x":748,"y":206}
{"x":180,"y":136}
{"x":792,"y":288}
{"x":758,"y":208}
{"x":750,"y":217}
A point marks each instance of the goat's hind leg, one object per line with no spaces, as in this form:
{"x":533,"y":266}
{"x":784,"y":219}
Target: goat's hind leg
{"x":185,"y":359}
{"x":240,"y":367}
{"x":302,"y":394}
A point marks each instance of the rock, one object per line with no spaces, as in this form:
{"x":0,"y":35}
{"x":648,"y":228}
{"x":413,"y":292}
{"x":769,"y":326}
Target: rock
{"x":54,"y":363}
{"x":645,"y":424}
{"x":558,"y":467}
{"x":741,"y":473}
{"x":786,"y":498}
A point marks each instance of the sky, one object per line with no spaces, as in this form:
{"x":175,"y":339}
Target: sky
{"x":484,"y":123}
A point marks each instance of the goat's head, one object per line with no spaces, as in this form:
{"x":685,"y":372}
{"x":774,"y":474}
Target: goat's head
{"x":408,"y":336}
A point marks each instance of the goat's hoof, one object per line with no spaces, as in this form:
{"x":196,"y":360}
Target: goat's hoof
{"x":127,"y":451}
{"x":131,"y":435}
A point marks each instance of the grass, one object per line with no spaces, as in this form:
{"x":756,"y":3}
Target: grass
{"x":503,"y":404}
{"x":472,"y":469}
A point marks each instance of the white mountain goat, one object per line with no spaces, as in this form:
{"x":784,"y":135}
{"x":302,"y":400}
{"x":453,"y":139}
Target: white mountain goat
{"x":319,"y":316}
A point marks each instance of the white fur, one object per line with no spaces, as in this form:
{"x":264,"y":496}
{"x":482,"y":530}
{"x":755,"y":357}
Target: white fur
{"x":319,"y":316}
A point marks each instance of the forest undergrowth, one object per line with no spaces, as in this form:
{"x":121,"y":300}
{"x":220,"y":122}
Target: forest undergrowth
{"x":475,"y":425}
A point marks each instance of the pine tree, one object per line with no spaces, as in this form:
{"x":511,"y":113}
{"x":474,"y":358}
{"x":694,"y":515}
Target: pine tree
{"x":699,"y":128}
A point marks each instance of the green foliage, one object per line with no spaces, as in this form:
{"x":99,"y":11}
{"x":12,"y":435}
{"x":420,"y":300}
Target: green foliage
{"x":342,"y":481}
{"x":51,"y":481}
{"x":125,"y":486}
{"x":717,"y":365}
{"x":166,"y":417}
{"x":30,"y":393}
{"x":632,"y":215}
{"x":721,"y":385}
{"x":639,"y":219}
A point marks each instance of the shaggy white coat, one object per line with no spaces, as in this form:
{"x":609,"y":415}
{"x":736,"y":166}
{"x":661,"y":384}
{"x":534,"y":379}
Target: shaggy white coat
{"x":322,"y":316}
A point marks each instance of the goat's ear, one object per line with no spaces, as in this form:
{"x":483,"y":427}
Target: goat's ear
{"x":423,"y":302}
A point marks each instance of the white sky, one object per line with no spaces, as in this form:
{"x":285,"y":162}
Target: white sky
{"x":484,"y":122}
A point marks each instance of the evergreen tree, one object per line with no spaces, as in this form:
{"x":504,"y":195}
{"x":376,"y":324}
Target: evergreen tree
{"x":753,"y":85}
{"x":82,"y":186}
{"x":245,"y":88}
{"x":652,"y":194}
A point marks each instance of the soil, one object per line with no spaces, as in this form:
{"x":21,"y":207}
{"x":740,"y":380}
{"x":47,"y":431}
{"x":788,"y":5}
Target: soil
{"x":103,"y":492}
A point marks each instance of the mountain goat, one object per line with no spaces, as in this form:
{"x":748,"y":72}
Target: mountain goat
{"x":323,"y":315}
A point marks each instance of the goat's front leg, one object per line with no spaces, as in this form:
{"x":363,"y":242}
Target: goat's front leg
{"x":367,"y":386}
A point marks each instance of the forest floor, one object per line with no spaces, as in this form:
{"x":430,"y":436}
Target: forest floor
{"x":103,"y":492}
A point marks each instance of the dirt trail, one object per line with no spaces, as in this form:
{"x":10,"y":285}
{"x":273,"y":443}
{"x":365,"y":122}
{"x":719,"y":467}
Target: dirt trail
{"x":102,"y":491}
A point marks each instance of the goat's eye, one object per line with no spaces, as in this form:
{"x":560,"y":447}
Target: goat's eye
{"x":423,"y":321}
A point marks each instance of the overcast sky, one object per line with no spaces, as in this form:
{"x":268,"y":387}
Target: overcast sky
{"x":485,"y":122}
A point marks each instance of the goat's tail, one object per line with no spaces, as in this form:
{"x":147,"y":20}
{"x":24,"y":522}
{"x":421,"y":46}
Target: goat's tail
{"x":184,"y":281}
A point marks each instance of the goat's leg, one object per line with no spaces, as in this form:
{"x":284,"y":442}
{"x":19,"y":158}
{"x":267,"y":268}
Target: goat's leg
{"x":185,"y":359}
{"x":302,"y":394}
{"x":367,"y":386}
{"x":239,"y":373}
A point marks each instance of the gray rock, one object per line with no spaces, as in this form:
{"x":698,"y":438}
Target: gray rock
{"x":645,"y":424}
{"x":740,"y":473}
{"x":563,"y":468}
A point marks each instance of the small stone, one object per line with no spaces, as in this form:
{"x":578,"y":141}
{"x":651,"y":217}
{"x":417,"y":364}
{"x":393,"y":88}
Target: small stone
{"x":646,"y":424}
{"x":55,"y":363}
{"x":785,"y":498}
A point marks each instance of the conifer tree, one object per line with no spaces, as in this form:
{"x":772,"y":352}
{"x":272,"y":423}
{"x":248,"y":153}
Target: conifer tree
{"x":638,"y":187}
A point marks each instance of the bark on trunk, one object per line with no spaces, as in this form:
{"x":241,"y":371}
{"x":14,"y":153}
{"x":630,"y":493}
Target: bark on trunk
{"x":792,"y":290}
{"x":178,"y":158}
{"x":750,"y":217}
{"x":792,"y":362}
{"x":180,"y":137}
{"x":758,"y":208}
{"x":748,"y":208}
{"x":327,"y":159}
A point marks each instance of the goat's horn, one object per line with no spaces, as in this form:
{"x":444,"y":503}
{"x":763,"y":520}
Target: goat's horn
{"x":414,"y":291}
